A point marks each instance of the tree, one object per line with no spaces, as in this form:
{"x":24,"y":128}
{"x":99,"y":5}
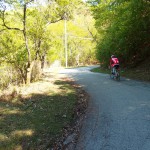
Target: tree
{"x":23,"y":13}
{"x":123,"y":29}
{"x":24,"y":6}
{"x":81,"y":36}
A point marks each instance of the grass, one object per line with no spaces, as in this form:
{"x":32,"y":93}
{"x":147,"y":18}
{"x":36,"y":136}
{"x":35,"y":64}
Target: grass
{"x":138,"y":73}
{"x":143,"y":75}
{"x":36,"y":120}
{"x":101,"y":70}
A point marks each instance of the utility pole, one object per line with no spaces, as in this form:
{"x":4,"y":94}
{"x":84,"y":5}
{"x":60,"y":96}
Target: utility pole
{"x":66,"y":48}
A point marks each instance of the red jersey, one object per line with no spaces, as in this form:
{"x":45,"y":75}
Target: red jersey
{"x":114,"y":61}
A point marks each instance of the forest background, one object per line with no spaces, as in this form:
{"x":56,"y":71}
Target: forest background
{"x":37,"y":107}
{"x":33,"y":35}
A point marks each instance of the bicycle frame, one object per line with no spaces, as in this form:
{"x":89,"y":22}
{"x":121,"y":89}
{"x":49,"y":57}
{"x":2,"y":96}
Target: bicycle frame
{"x":116,"y":74}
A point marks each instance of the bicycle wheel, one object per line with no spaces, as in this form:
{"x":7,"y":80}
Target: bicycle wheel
{"x":117,"y":76}
{"x":111,"y":75}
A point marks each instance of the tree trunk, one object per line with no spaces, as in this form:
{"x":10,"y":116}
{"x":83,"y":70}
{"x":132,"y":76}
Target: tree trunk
{"x":28,"y":76}
{"x":28,"y":73}
{"x":23,"y":74}
{"x":29,"y":66}
{"x":42,"y":62}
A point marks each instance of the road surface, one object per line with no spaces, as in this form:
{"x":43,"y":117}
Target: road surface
{"x":118,"y":115}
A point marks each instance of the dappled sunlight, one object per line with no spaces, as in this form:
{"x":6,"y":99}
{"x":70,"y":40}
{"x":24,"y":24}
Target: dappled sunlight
{"x":47,"y":85}
{"x":65,"y":88}
{"x":16,"y":134}
{"x":39,"y":88}
{"x":3,"y":137}
{"x":21,"y":133}
{"x":40,"y":112}
{"x":18,"y":147}
{"x":7,"y":111}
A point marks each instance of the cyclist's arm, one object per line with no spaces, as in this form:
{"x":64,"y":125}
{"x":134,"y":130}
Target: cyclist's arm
{"x":111,"y":62}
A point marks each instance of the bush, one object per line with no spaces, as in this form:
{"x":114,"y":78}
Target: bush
{"x":8,"y":76}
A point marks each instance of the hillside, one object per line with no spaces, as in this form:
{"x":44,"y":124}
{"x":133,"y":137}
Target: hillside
{"x":139,"y":72}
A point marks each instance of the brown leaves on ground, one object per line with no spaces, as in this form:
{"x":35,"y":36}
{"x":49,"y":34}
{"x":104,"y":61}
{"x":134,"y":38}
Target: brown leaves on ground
{"x":71,"y":132}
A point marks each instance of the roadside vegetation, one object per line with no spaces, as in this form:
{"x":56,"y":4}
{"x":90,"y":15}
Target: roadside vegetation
{"x":34,"y":109}
{"x":32,"y":37}
{"x":142,"y":72}
{"x":35,"y":116}
{"x":122,"y":30}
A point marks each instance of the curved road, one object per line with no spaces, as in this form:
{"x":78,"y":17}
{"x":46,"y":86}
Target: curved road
{"x":118,"y":116}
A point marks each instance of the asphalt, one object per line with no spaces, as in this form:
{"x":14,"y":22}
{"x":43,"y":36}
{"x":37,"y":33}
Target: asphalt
{"x":118,"y":115}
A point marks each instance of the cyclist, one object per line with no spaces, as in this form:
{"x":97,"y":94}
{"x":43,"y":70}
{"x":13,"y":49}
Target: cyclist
{"x":114,"y":63}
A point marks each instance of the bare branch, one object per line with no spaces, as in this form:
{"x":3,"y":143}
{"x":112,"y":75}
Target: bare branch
{"x":93,"y":36}
{"x":4,"y":23}
{"x":54,"y":21}
{"x":29,"y":2}
{"x":9,"y":28}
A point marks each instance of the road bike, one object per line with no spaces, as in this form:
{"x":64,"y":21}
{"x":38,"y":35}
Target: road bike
{"x":116,"y":74}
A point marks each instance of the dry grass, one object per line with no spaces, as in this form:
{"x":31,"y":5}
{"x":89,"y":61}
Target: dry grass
{"x":33,"y":116}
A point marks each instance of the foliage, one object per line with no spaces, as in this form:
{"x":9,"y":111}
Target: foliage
{"x":123,"y":28}
{"x":9,"y":76}
{"x":81,"y":36}
{"x":33,"y":32}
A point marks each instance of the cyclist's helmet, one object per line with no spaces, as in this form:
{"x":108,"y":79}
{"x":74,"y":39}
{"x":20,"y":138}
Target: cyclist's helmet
{"x":112,"y":56}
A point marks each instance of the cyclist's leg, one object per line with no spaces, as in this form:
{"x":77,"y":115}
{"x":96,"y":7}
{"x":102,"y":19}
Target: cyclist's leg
{"x":118,"y":73}
{"x":113,"y":70}
{"x":111,"y":73}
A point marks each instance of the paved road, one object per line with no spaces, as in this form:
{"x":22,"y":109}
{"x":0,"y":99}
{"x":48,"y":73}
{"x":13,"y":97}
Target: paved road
{"x":118,"y":116}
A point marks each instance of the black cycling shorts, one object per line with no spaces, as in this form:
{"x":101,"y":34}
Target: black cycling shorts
{"x":116,"y":66}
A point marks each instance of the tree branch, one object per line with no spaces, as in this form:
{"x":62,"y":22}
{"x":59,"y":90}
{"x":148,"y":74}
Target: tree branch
{"x":3,"y":18}
{"x":4,"y":23}
{"x":93,"y":36}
